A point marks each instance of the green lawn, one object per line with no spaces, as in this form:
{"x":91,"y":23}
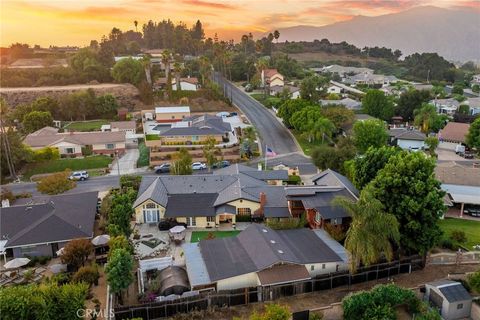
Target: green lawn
{"x":305,"y":144}
{"x":471,"y":229}
{"x":92,"y":125}
{"x":199,"y":235}
{"x":144,"y":157}
{"x":152,"y":137}
{"x":51,"y":166}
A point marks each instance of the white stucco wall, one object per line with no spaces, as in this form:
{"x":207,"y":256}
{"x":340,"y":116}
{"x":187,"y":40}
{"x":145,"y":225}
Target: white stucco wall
{"x":243,"y":281}
{"x":329,"y":268}
{"x":410,"y":144}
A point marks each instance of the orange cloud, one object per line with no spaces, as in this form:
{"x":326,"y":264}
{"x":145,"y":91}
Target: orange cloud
{"x":208,"y":4}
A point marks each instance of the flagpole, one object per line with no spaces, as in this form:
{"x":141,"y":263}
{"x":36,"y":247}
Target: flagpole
{"x":266,"y":148}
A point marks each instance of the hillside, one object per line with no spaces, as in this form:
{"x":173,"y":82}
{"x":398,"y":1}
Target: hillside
{"x":452,"y":33}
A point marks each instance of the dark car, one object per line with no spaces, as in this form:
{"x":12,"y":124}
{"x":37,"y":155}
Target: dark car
{"x":167,"y":224}
{"x":221,"y":164}
{"x":163,"y":168}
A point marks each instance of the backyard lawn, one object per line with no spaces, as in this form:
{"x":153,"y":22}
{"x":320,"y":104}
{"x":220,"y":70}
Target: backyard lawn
{"x":200,"y":235}
{"x":51,"y":166}
{"x":307,"y":146}
{"x":93,"y":125}
{"x":471,"y":229}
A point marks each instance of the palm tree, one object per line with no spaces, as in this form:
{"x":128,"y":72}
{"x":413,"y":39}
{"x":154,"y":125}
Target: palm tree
{"x":276,"y":35}
{"x":371,"y":230}
{"x":177,"y":69}
{"x":136,"y":24}
{"x":323,"y":127}
{"x":205,"y":69}
{"x":425,"y":117}
{"x":146,"y":65}
{"x":166,"y":58}
{"x":245,"y":43}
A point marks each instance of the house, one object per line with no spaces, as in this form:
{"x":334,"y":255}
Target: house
{"x":454,"y":132}
{"x":171,"y":114}
{"x":407,"y":138}
{"x":370,"y":79}
{"x":40,"y":226}
{"x":342,"y":71}
{"x":332,"y":178}
{"x":186,"y":84}
{"x":124,"y":126}
{"x":474,"y":105}
{"x":445,"y":106}
{"x":334,"y":89}
{"x":346,"y":102}
{"x":271,"y":77}
{"x":294,"y":91}
{"x":450,"y":297}
{"x":345,"y":89}
{"x":262,"y":257}
{"x":77,"y":143}
{"x":237,"y":190}
{"x":461,"y":183}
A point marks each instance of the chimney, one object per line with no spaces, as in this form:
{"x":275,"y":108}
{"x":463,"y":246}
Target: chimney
{"x":5,"y":203}
{"x":263,"y":199}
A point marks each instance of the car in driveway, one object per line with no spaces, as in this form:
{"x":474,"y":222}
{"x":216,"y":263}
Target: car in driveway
{"x":163,"y":168}
{"x":199,"y":166}
{"x":221,"y":164}
{"x":79,"y":176}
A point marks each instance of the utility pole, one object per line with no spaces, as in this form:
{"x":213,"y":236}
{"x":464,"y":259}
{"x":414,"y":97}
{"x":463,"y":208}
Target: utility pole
{"x":8,"y":151}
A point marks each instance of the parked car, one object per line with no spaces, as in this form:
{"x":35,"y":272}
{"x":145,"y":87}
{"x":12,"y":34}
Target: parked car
{"x":221,"y":164}
{"x":167,"y":224}
{"x":163,"y":168}
{"x":472,"y":211}
{"x":459,"y":149}
{"x":468,"y":155}
{"x":79,"y":175}
{"x":199,"y":166}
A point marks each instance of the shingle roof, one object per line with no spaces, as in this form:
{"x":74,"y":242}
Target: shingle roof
{"x":282,"y":274}
{"x":253,"y":172}
{"x":331,"y":178}
{"x":406,"y":134}
{"x":80,"y":138}
{"x":191,"y":205}
{"x":454,"y":131}
{"x":452,"y":173}
{"x":60,"y":218}
{"x":200,"y":125}
{"x":123,"y":125}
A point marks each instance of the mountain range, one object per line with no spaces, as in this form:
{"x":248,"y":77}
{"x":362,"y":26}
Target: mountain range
{"x":452,"y":33}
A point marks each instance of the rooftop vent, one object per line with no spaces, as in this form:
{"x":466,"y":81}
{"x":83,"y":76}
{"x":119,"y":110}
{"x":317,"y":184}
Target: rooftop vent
{"x":28,"y":208}
{"x":280,"y":251}
{"x":272,"y":241}
{"x":265,"y":230}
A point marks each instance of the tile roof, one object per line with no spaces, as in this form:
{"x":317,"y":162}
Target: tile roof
{"x":123,"y":125}
{"x":282,"y":274}
{"x":454,"y":131}
{"x":44,"y":139}
{"x":59,"y":218}
{"x":270,"y":73}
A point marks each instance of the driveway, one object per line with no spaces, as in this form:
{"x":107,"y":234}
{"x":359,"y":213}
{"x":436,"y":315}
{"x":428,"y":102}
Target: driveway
{"x":127,"y":164}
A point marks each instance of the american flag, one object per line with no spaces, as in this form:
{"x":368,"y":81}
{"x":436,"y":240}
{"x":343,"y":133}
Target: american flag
{"x":269,"y":152}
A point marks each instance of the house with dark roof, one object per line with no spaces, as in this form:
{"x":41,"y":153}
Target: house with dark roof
{"x":451,"y":298}
{"x":407,"y":138}
{"x":40,"y":226}
{"x":210,"y":200}
{"x":260,"y":256}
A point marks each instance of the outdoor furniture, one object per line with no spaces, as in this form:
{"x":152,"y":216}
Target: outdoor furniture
{"x":16,"y":263}
{"x":101,"y":240}
{"x":177,"y":233}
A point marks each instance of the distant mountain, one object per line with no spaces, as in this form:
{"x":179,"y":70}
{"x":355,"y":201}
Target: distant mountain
{"x":452,"y":33}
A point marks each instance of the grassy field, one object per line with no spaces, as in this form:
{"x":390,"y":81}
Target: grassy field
{"x":93,"y":125}
{"x":307,"y":146}
{"x":150,"y":137}
{"x":93,"y":162}
{"x":200,"y":235}
{"x":144,"y":157}
{"x":471,"y":229}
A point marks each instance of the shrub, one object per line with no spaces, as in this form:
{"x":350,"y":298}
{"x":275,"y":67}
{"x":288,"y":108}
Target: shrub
{"x":458,"y":236}
{"x":446,"y":243}
{"x":56,"y":183}
{"x":474,"y":281}
{"x":87,"y":274}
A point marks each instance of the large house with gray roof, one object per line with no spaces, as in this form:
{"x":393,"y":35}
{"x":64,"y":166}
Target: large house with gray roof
{"x":40,"y":226}
{"x":211,"y":200}
{"x":260,"y":256}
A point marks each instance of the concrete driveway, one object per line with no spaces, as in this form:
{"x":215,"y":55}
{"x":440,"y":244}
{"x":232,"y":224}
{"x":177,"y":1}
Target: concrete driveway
{"x":127,"y":164}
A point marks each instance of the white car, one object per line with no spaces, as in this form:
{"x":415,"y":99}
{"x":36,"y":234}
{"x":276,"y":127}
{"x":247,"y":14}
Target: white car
{"x":199,"y":166}
{"x":79,"y":175}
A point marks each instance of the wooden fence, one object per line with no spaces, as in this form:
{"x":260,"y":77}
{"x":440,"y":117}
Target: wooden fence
{"x":156,"y":310}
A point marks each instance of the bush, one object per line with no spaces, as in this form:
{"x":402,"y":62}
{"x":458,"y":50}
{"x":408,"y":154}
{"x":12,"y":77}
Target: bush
{"x":46,"y":154}
{"x":458,"y":236}
{"x":289,"y":223}
{"x":474,"y":281}
{"x":87,"y":274}
{"x":446,"y":243}
{"x":56,"y":183}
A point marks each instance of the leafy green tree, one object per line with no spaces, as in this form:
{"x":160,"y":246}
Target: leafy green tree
{"x":119,"y":242}
{"x":432,"y":143}
{"x":457,"y":89}
{"x":369,"y":133}
{"x":341,"y":117}
{"x":311,"y":88}
{"x":119,"y":270}
{"x":371,"y":231}
{"x":106,"y":105}
{"x":76,"y":252}
{"x":211,"y":152}
{"x":128,"y":70}
{"x":289,"y":107}
{"x":409,"y":101}
{"x":369,"y":164}
{"x":310,"y":123}
{"x":56,"y":183}
{"x":474,"y":281}
{"x":36,"y":120}
{"x":272,"y":312}
{"x":476,"y":88}
{"x":378,"y":105}
{"x":326,"y":157}
{"x":120,"y":216}
{"x":46,"y":104}
{"x":473,"y":136}
{"x":182,"y":164}
{"x":428,"y":119}
{"x":88,"y":64}
{"x":407,"y":187}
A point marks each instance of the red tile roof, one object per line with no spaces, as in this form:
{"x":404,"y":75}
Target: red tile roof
{"x":454,"y":131}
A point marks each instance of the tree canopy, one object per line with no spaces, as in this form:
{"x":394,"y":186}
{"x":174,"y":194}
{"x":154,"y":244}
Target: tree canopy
{"x":369,"y":133}
{"x":128,"y":70}
{"x":289,"y":107}
{"x":182,"y":164}
{"x":119,"y":270}
{"x":378,"y":105}
{"x":370,"y":163}
{"x":409,"y":101}
{"x":76,"y":252}
{"x":473,"y":136}
{"x":56,"y":183}
{"x":36,"y":120}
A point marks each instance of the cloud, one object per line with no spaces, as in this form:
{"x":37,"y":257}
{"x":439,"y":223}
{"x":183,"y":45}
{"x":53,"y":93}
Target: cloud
{"x":208,"y":4}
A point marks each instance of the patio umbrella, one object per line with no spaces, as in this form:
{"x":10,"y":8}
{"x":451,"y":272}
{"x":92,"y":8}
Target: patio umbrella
{"x":101,"y":240}
{"x":177,"y":229}
{"x":16,"y":263}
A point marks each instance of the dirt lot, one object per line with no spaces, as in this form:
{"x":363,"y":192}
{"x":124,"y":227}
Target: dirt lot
{"x":126,"y":94}
{"x":324,"y":298}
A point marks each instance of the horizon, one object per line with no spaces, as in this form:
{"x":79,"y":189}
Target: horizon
{"x":62,"y":23}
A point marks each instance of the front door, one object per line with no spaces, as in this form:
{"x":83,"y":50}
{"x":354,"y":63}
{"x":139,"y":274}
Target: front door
{"x":191,"y":222}
{"x":151,"y":216}
{"x":54,"y":249}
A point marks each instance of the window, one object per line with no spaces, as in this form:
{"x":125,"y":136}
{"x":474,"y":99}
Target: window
{"x":28,"y":250}
{"x":312,"y":267}
{"x":110,"y":146}
{"x":210,"y":219}
{"x":69,"y":150}
{"x":191,"y":221}
{"x":318,"y":217}
{"x":323,"y":265}
{"x":151,"y":206}
{"x":244,"y":211}
{"x":459,"y":306}
{"x":151,"y":215}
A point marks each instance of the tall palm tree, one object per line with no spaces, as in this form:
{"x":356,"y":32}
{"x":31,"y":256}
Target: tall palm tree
{"x":205,"y":69}
{"x":177,"y":69}
{"x":371,"y":231}
{"x":136,"y":24}
{"x":276,"y":35}
{"x":323,"y":127}
{"x":425,"y":116}
{"x":166,"y":58}
{"x":146,"y":65}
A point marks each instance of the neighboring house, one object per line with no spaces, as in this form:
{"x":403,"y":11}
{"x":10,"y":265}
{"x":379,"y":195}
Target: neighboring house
{"x":363,"y":117}
{"x":271,"y":77}
{"x":445,"y":106}
{"x":171,"y":114}
{"x":40,"y":226}
{"x":370,"y":79}
{"x":196,"y":130}
{"x":334,"y":89}
{"x":346,"y":102}
{"x":262,"y":257}
{"x":454,"y":132}
{"x":407,"y":138}
{"x":451,"y":298}
{"x":461,"y":183}
{"x":332,"y":178}
{"x":72,"y":143}
{"x":211,"y":200}
{"x":186,"y":84}
{"x":474,"y":105}
{"x":342,"y":71}
{"x":475,"y":79}
{"x":294,"y":91}
{"x":124,"y":126}
{"x":345,"y":89}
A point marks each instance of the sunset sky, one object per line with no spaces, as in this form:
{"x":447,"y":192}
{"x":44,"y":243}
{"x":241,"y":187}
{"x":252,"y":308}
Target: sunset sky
{"x":76,"y":22}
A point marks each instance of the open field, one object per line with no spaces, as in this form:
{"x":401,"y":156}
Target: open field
{"x":93,"y":125}
{"x":93,"y":162}
{"x":471,"y":229}
{"x":200,"y":235}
